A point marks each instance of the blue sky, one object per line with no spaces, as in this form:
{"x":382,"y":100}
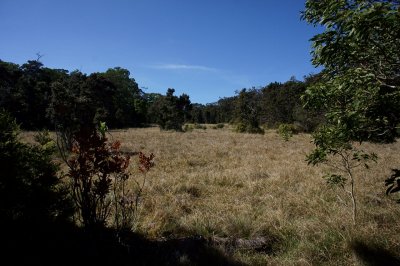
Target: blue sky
{"x":205,"y":48}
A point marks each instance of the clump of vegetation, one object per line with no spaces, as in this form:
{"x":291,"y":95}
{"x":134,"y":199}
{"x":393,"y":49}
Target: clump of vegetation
{"x":63,"y":98}
{"x":359,"y":86}
{"x":188,"y":128}
{"x":219,"y":126}
{"x":30,"y":190}
{"x":191,"y":127}
{"x":170,"y":111}
{"x":286,"y":131}
{"x":350,"y":158}
{"x":247,"y":128}
{"x":127,"y":198}
{"x":98,"y":171}
{"x":92,"y":167}
{"x":247,"y":115}
{"x":199,"y":126}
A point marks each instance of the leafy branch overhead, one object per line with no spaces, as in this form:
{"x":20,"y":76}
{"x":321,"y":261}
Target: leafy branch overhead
{"x":359,"y":51}
{"x":359,"y":87}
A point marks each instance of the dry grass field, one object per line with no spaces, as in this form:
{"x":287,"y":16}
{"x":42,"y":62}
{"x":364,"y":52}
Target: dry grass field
{"x":223,"y":185}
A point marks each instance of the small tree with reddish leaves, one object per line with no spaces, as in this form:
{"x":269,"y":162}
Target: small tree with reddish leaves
{"x":94,"y":164}
{"x":99,"y":175}
{"x":127,"y":201}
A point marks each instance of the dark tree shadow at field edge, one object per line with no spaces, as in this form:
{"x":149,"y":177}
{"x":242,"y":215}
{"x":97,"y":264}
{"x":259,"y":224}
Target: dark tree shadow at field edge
{"x":373,"y":255}
{"x":66,"y":244}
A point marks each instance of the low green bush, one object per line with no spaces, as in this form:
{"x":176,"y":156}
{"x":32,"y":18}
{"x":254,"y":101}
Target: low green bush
{"x":286,"y":131}
{"x":243,"y":128}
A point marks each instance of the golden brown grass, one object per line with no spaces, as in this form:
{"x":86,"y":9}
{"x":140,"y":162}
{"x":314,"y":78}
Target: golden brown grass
{"x":217,"y":183}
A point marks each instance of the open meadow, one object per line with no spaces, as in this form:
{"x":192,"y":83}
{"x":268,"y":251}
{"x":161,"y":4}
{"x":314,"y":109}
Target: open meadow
{"x":220,"y":184}
{"x":240,"y":190}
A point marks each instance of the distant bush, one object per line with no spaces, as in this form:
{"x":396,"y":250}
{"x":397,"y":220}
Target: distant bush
{"x":240,"y":128}
{"x":243,"y":128}
{"x":199,"y":126}
{"x":191,"y":127}
{"x":286,"y":131}
{"x":219,"y":126}
{"x":188,"y":128}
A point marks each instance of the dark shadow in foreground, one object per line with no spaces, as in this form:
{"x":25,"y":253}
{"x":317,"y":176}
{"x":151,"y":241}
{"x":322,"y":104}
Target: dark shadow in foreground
{"x":66,"y":244}
{"x":373,"y":255}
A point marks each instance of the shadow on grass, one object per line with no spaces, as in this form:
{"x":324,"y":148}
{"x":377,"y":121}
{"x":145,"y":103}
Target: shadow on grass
{"x":373,"y":255}
{"x":66,"y":244}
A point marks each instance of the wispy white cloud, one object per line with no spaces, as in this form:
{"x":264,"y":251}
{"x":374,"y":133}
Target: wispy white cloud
{"x":183,"y":67}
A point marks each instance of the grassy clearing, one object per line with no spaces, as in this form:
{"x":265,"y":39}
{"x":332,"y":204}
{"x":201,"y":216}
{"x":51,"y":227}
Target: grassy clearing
{"x":220,"y":184}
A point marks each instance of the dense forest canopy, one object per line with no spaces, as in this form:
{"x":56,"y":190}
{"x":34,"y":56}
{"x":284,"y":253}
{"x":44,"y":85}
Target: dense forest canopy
{"x":41,"y":97}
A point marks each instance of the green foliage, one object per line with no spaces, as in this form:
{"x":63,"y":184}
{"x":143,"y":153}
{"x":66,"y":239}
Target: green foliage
{"x":335,"y":180}
{"x":281,"y":104}
{"x":360,"y":83}
{"x":240,"y":128}
{"x":41,"y":97}
{"x":329,"y":140}
{"x":171,"y":111}
{"x":199,"y":126}
{"x":359,"y":86}
{"x":188,"y":128}
{"x":129,"y":103}
{"x":243,"y":128}
{"x":25,"y":92}
{"x":219,"y":126}
{"x":191,"y":127}
{"x":273,"y":104}
{"x":286,"y":131}
{"x":44,"y":98}
{"x":247,"y":113}
{"x":30,"y":190}
{"x":45,"y":140}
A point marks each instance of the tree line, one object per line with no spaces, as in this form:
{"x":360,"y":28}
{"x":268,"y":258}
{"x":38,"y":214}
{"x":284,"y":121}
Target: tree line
{"x":44,"y":98}
{"x":269,"y":106}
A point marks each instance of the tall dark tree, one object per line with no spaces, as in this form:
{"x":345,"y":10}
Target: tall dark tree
{"x":11,"y":96}
{"x":81,"y":101}
{"x":170,"y":110}
{"x":247,"y":112}
{"x":129,"y":103}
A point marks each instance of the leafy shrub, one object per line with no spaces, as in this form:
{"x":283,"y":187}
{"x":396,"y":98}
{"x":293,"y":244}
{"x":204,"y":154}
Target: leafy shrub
{"x":98,"y":171}
{"x":91,"y":167}
{"x":199,"y":126}
{"x":30,"y":190}
{"x":219,"y":126}
{"x":188,"y":128}
{"x":191,"y":127}
{"x":248,"y":128}
{"x":286,"y":131}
